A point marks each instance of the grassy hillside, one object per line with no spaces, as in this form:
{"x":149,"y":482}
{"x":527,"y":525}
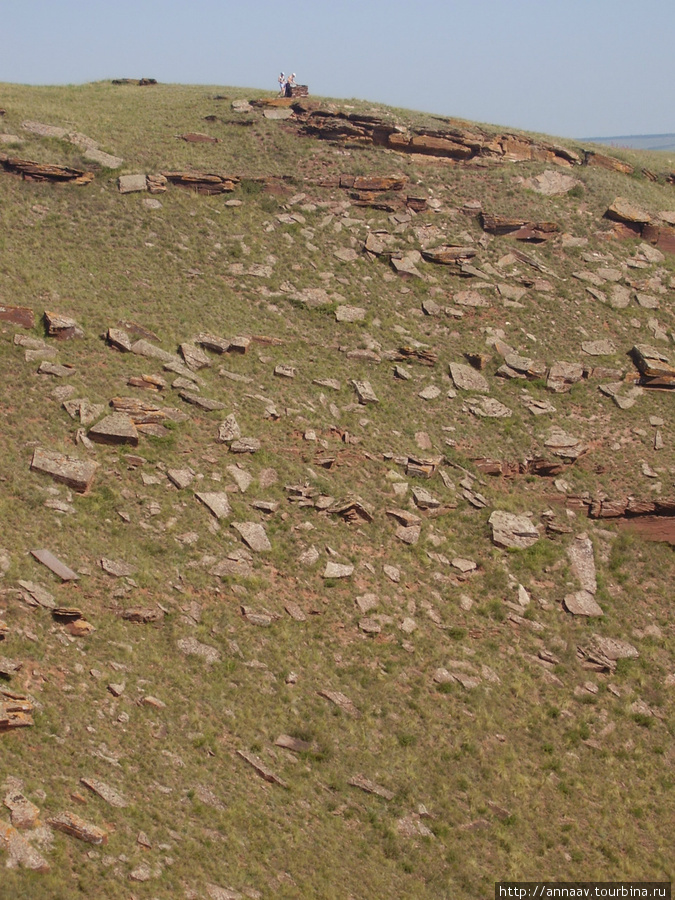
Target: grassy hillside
{"x":501,"y":754}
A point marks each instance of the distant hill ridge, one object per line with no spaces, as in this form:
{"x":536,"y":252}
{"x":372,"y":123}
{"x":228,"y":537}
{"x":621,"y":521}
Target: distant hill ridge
{"x":636,"y":141}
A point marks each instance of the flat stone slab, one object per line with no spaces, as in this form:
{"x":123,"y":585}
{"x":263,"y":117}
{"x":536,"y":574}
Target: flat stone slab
{"x":254,"y":536}
{"x":77,"y":827}
{"x":582,"y":603}
{"x":259,"y":766}
{"x":647,"y":301}
{"x":202,"y":402}
{"x":598,"y":348}
{"x":178,"y":368}
{"x":464,"y":565}
{"x":217,"y":502}
{"x":18,"y":315}
{"x":550,"y":183}
{"x":346,"y":254}
{"x":283,"y":371}
{"x":511,"y":531}
{"x":212,"y":342}
{"x":365,"y":392}
{"x":116,"y":568}
{"x":245,"y":445}
{"x":619,"y":297}
{"x":180,"y":478}
{"x":244,"y":480}
{"x":563,"y":374}
{"x":78,"y":474}
{"x":409,"y":535}
{"x":194,"y":356}
{"x":19,"y":852}
{"x":471,"y":299}
{"x":57,"y":567}
{"x":296,"y":745}
{"x":466,"y":378}
{"x":338,"y":570}
{"x":44,"y":130}
{"x":192,"y":647}
{"x":128,"y":184}
{"x":332,"y":383}
{"x":406,"y":265}
{"x":83,"y":410}
{"x":55,"y":369}
{"x":370,"y":787}
{"x":143,"y":347}
{"x":342,"y":701}
{"x":430,"y":392}
{"x":424,"y":499}
{"x":623,"y":210}
{"x":105,"y":792}
{"x":24,"y":814}
{"x":613,"y":648}
{"x":117,"y":428}
{"x":582,"y":562}
{"x":107,"y":160}
{"x":277,"y":114}
{"x":39,"y":595}
{"x":350,"y":314}
{"x":232,"y":568}
{"x":119,"y":339}
{"x":489,"y":408}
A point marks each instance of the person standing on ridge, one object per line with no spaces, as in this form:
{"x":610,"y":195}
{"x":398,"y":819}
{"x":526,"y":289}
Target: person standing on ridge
{"x":282,"y":84}
{"x":290,"y":84}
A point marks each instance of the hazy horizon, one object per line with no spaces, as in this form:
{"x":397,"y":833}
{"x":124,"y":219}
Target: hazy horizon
{"x":557,"y":68}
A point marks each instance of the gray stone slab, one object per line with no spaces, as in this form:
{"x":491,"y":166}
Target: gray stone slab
{"x":254,"y":536}
{"x":582,"y":603}
{"x":56,"y":369}
{"x":105,"y":792}
{"x":192,"y":647}
{"x":467,"y":379}
{"x":598,"y":348}
{"x":107,"y":160}
{"x":76,"y":473}
{"x":142,"y":347}
{"x":365,"y":392}
{"x":194,"y":356}
{"x":215,"y":501}
{"x":582,"y":563}
{"x":512,"y":531}
{"x":129,"y":183}
{"x":338,"y":570}
{"x":47,"y":558}
{"x":115,"y":429}
{"x":350,"y":314}
{"x":181,"y":478}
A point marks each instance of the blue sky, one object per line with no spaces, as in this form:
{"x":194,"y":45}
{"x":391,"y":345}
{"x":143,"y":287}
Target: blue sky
{"x":576,"y":68}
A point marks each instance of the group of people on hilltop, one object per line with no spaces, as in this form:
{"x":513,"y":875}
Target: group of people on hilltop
{"x":286,"y":85}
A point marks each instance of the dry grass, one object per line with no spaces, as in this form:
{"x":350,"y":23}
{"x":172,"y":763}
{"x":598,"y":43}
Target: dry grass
{"x":582,"y":778}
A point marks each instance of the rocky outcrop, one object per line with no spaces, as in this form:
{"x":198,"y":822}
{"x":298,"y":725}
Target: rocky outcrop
{"x":592,"y":158}
{"x":34,"y":171}
{"x":202,"y":182}
{"x":456,"y":144}
{"x":520,"y":229}
{"x":632,"y":220}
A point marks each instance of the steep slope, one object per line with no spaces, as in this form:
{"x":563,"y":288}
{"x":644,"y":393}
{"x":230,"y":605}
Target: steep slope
{"x":342,"y":453}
